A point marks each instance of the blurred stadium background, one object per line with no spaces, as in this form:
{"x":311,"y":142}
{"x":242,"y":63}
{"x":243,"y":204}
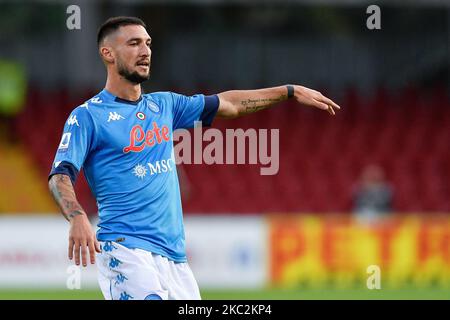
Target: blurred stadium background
{"x":294,"y":235}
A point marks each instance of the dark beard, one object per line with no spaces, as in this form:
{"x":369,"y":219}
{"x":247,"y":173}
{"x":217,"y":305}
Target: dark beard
{"x":133,"y":77}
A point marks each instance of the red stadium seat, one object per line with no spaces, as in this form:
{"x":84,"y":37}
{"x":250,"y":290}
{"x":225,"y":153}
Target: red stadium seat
{"x":321,"y":157}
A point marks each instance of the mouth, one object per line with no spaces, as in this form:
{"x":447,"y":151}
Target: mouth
{"x":144,"y":64}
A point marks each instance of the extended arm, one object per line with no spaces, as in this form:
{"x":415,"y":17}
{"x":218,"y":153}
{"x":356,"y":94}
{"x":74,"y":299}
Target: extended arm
{"x":81,"y":235}
{"x":237,"y":103}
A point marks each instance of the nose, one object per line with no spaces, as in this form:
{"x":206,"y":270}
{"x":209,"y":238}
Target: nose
{"x":145,"y":51}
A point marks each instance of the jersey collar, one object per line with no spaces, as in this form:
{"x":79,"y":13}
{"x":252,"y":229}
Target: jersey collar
{"x":120,"y":100}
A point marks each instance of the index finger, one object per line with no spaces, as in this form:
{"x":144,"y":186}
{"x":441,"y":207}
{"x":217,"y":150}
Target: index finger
{"x":330,"y":102}
{"x":92,"y":250}
{"x":71,"y":243}
{"x":331,"y":110}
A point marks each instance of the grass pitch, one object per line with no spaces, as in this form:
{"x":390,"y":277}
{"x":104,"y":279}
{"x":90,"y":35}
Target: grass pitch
{"x":266,"y":294}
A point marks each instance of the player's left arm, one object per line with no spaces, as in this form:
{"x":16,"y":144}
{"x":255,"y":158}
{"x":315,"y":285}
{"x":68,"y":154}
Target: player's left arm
{"x":237,"y":103}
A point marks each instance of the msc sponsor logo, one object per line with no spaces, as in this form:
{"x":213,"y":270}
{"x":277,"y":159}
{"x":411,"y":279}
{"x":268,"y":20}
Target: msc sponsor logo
{"x":161,"y":166}
{"x":157,"y":167}
{"x":140,"y":171}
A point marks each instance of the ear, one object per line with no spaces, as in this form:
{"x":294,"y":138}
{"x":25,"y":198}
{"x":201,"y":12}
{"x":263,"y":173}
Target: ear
{"x":107,"y":54}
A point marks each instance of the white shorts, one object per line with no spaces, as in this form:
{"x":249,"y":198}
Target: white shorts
{"x":126,"y":274}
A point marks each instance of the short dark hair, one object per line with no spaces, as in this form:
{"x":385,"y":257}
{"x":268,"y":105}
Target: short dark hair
{"x":114,"y":23}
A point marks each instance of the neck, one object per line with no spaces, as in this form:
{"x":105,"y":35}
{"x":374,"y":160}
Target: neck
{"x":122,"y":88}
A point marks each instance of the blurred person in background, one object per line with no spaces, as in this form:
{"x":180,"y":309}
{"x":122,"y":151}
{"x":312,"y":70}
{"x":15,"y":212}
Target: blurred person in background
{"x":373,"y":195}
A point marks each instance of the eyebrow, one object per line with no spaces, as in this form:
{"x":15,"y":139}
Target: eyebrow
{"x":139,"y":39}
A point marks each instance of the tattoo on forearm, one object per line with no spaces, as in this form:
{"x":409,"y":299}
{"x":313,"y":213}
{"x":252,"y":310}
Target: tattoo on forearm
{"x":62,"y":190}
{"x":75,"y":213}
{"x":254,"y":105}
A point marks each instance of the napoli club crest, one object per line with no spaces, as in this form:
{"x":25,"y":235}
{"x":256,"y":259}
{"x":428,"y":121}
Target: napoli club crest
{"x":153,"y":106}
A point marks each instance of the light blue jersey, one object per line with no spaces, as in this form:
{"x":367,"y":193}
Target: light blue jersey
{"x":126,"y":151}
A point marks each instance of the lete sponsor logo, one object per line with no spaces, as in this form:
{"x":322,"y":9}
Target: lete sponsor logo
{"x":139,"y":139}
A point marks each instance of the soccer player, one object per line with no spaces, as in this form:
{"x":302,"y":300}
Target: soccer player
{"x":122,"y":139}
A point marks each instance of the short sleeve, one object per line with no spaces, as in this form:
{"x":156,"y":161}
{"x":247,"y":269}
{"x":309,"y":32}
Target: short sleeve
{"x":76,"y":140}
{"x":188,"y":109}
